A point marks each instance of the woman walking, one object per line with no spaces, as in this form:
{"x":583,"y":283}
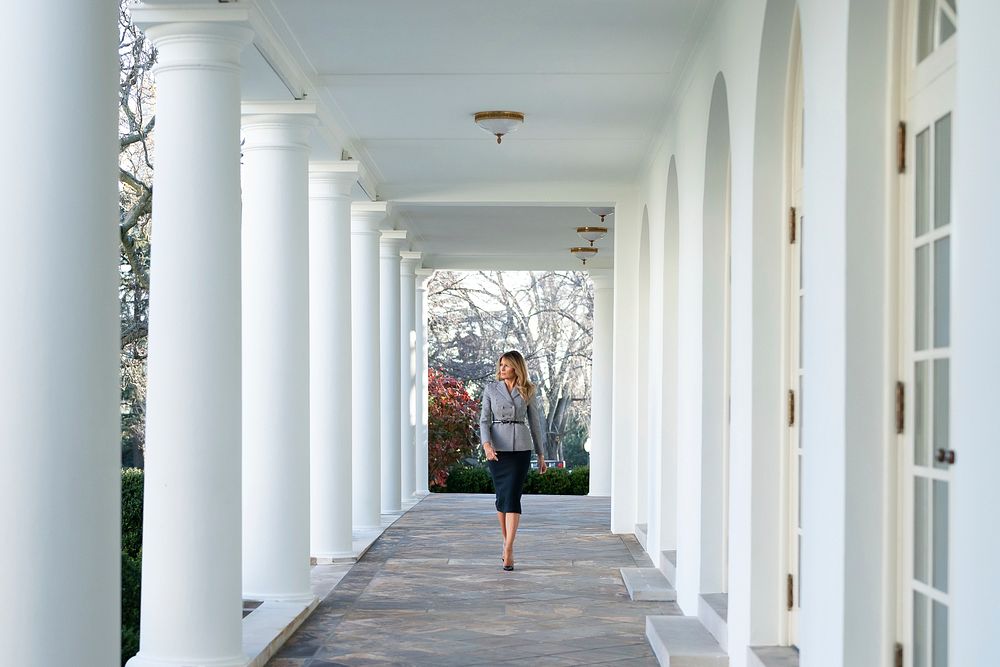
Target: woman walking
{"x":510,"y":428}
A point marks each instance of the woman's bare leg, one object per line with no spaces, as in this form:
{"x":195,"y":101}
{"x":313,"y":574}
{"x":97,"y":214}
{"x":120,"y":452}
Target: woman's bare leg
{"x":503,"y":526}
{"x":512,"y":521}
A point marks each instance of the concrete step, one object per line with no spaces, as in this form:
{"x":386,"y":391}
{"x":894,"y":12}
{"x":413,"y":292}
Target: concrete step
{"x":713,"y":612}
{"x":773,"y":656}
{"x":647,"y":584}
{"x":641,"y":531}
{"x":682,"y":641}
{"x":668,"y":566}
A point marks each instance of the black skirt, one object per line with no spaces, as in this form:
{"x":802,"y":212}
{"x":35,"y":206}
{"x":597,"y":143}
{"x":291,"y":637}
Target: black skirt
{"x":508,"y":476}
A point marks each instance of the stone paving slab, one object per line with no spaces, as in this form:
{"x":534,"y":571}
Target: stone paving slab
{"x":431,"y":591}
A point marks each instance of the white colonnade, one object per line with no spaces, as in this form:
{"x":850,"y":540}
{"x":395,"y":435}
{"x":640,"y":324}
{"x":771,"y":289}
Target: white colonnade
{"x":191,"y":593}
{"x":422,"y":467}
{"x":407,"y":372}
{"x":330,"y":390}
{"x":59,"y":392}
{"x":366,"y":461}
{"x":276,"y":350}
{"x":390,"y":243}
{"x":600,"y":407}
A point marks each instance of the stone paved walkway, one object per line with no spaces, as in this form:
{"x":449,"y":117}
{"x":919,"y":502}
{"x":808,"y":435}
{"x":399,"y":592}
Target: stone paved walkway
{"x":431,"y":592}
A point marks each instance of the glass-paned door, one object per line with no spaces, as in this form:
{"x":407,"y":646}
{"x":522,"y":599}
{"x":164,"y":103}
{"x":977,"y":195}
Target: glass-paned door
{"x":795,"y":367}
{"x":926,"y":477}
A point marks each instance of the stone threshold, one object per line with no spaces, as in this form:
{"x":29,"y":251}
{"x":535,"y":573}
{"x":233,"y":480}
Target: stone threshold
{"x":271,"y":623}
{"x":773,"y":656}
{"x":647,"y":584}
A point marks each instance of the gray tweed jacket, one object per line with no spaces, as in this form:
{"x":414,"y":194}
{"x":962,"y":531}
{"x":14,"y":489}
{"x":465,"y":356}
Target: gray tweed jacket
{"x":508,"y":422}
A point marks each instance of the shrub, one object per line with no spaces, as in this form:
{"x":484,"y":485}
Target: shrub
{"x":462,"y":479}
{"x":451,"y":425}
{"x":556,"y":481}
{"x":132,"y":480}
{"x":132,"y":511}
{"x":579,"y":479}
{"x":131,"y":596}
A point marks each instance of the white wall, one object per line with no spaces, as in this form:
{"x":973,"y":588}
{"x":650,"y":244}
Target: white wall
{"x":975,"y":334}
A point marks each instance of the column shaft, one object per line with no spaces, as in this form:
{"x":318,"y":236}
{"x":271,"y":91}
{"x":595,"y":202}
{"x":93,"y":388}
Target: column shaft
{"x":390,"y":362}
{"x":276,"y":352}
{"x":422,"y":468}
{"x":600,"y":406}
{"x":59,"y":392}
{"x":408,"y":370}
{"x":191,"y":602}
{"x":330,"y":389}
{"x":365,"y":422}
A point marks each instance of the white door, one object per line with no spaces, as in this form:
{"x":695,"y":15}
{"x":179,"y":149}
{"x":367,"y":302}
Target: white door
{"x":794,"y":300}
{"x":926,"y":456}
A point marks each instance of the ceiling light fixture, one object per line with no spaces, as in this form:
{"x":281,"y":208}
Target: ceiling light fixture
{"x":592,"y":234}
{"x":499,"y":123}
{"x":602,"y":211}
{"x":584,"y":253}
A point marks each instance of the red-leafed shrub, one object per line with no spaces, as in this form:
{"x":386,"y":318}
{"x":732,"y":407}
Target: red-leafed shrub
{"x":452,"y":418}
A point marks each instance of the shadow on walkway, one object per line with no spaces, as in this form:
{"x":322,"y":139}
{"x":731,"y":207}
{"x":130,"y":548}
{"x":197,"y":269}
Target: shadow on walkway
{"x":431,"y":591}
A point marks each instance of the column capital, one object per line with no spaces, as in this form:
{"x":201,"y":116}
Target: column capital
{"x":366,"y":216}
{"x":602,"y":278}
{"x":196,"y":37}
{"x":391,"y":242}
{"x":278,"y":125}
{"x":423,"y":277}
{"x":409,"y":262}
{"x":332,"y":180}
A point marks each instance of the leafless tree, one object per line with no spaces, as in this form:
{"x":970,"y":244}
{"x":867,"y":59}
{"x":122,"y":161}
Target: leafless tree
{"x":135,"y":204}
{"x":547,"y":316}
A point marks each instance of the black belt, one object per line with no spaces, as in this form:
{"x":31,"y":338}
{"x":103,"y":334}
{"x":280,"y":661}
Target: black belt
{"x":507,"y":421}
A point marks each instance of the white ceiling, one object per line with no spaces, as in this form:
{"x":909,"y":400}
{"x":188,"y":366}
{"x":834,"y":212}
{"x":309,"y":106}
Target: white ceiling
{"x":502,"y":237}
{"x":400,"y":80}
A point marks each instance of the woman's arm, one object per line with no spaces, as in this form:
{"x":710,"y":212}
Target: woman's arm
{"x":485,"y":418}
{"x":534,"y":423}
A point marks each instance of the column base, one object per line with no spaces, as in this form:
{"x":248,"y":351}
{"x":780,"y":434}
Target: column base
{"x":600,"y":494}
{"x":421,"y":494}
{"x":140,"y":660}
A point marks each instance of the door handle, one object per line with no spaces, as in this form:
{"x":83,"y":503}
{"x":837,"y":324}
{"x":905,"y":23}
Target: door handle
{"x":946,"y":456}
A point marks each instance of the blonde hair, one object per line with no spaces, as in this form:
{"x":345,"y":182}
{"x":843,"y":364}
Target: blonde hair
{"x":524,"y":386}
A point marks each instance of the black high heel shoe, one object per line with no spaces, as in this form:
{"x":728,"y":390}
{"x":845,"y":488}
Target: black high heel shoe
{"x":507,"y":568}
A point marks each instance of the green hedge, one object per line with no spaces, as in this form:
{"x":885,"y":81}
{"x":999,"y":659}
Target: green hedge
{"x":555,"y":481}
{"x":132,"y":479}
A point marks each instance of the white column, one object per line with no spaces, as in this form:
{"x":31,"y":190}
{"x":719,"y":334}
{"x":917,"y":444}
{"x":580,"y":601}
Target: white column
{"x":422,"y":468}
{"x":600,"y":387}
{"x":390,"y":244}
{"x":330,"y":390}
{"x":276,"y":350}
{"x":191,"y":602}
{"x":408,"y":372}
{"x":975,"y":323}
{"x":59,"y":393}
{"x":365,"y":422}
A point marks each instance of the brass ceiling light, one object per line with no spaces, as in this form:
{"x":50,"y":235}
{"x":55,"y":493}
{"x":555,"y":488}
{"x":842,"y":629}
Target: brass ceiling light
{"x":602,"y":211}
{"x":499,"y":123}
{"x":584,"y":253}
{"x":591,"y":234}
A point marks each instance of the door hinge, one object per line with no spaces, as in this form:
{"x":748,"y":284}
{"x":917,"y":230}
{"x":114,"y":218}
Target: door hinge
{"x":898,"y":658}
{"x":791,"y":407}
{"x":791,"y":224}
{"x":791,"y":593}
{"x":901,"y":148}
{"x":900,"y":407}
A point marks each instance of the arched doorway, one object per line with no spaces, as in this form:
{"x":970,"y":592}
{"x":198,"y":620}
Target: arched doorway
{"x":716,"y":297}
